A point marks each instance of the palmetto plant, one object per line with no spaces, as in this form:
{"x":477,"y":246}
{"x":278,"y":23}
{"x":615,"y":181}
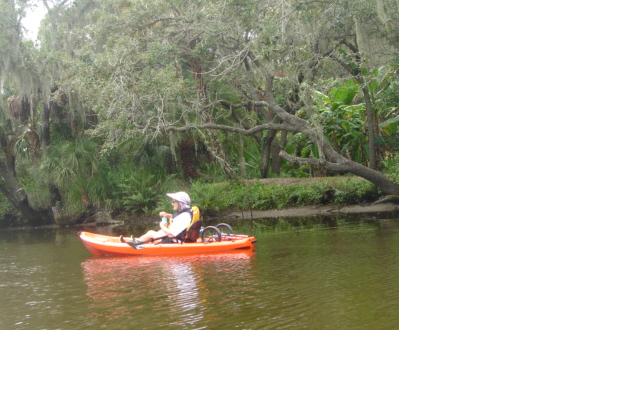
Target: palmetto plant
{"x":343,"y":119}
{"x":68,"y":162}
{"x":139,"y":193}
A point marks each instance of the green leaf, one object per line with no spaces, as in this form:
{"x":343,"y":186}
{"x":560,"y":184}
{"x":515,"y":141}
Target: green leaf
{"x":345,"y":93}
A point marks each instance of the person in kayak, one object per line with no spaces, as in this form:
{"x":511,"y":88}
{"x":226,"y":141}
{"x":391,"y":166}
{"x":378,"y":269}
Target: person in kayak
{"x":181,"y":220}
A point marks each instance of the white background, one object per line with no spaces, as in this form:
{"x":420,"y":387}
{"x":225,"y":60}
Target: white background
{"x":529,"y":121}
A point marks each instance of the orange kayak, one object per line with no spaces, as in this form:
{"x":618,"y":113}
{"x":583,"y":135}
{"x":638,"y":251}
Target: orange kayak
{"x":103,"y":245}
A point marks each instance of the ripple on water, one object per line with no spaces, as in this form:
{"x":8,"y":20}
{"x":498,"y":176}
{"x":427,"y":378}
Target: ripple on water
{"x":164,"y":292}
{"x":340,"y":276}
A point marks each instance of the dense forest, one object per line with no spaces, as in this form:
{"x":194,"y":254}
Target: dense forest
{"x":120,"y":101}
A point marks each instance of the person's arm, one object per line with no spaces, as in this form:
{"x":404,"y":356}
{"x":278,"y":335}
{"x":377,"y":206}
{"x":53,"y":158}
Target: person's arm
{"x":164,"y":225}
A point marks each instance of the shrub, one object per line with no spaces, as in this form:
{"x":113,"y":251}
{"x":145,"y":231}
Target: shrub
{"x":257,"y":195}
{"x":7,"y":214}
{"x":140,"y":192}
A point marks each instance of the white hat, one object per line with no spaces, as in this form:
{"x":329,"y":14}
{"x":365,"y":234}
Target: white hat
{"x":181,"y":197}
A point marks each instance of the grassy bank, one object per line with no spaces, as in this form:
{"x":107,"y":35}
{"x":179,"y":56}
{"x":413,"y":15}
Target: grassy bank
{"x":268,"y":194}
{"x":216,"y":198}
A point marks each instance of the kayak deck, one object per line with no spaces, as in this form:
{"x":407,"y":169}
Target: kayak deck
{"x":103,"y":245}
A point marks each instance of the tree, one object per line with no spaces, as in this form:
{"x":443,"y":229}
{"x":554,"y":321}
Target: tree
{"x":244,"y":67}
{"x":19,"y":89}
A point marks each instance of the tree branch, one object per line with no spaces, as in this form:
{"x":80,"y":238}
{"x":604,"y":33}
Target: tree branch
{"x":351,"y":46}
{"x":333,"y":167}
{"x":352,"y":69}
{"x":251,"y":131}
{"x":247,"y":105}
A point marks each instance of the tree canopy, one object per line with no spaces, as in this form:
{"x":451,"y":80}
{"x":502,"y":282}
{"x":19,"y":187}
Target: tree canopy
{"x":193,"y":90}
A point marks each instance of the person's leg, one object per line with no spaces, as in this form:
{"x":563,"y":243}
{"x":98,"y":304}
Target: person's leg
{"x":150,"y":236}
{"x":147,"y":237}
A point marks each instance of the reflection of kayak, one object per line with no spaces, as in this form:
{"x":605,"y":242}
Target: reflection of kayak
{"x":103,"y":245}
{"x":118,"y":264}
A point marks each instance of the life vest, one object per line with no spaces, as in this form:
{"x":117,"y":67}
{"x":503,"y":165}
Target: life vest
{"x":192,"y":233}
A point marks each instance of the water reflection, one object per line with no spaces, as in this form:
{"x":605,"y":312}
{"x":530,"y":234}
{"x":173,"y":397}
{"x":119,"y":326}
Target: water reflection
{"x":164,"y":292}
{"x":305,"y":274}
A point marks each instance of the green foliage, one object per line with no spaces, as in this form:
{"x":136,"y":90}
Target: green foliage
{"x":73,"y":169}
{"x":139,"y":191}
{"x":343,"y":94}
{"x":7,"y":214}
{"x":70,"y":161}
{"x":138,"y":195}
{"x":118,"y":75}
{"x":384,"y":86}
{"x":37,"y":189}
{"x":301,"y":145}
{"x":343,"y":113}
{"x":355,"y":190}
{"x":391,"y":167}
{"x":256,"y":195}
{"x":343,"y":121}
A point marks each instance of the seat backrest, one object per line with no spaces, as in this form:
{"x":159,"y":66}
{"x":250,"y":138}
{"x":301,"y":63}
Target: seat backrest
{"x":192,"y":233}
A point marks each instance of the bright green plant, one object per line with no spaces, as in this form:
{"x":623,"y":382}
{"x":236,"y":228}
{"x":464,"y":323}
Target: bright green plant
{"x":343,"y":120}
{"x":223,"y":196}
{"x":384,"y":85}
{"x":391,"y":167}
{"x":140,"y":192}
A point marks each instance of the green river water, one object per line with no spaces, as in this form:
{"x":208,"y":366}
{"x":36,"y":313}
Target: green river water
{"x":331,"y":273}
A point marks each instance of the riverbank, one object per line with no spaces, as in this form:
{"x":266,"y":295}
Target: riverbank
{"x":315,"y":211}
{"x":285,"y":197}
{"x":261,"y":199}
{"x":388,"y":208}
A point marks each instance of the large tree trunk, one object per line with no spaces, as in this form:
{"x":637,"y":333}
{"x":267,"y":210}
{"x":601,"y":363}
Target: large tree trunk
{"x":385,"y":184}
{"x":331,"y":160}
{"x":46,"y":131}
{"x":265,"y":153}
{"x":188,"y":157}
{"x":242,"y":161}
{"x":19,"y":108}
{"x":344,"y":165}
{"x":276,"y":146}
{"x":372,"y":117}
